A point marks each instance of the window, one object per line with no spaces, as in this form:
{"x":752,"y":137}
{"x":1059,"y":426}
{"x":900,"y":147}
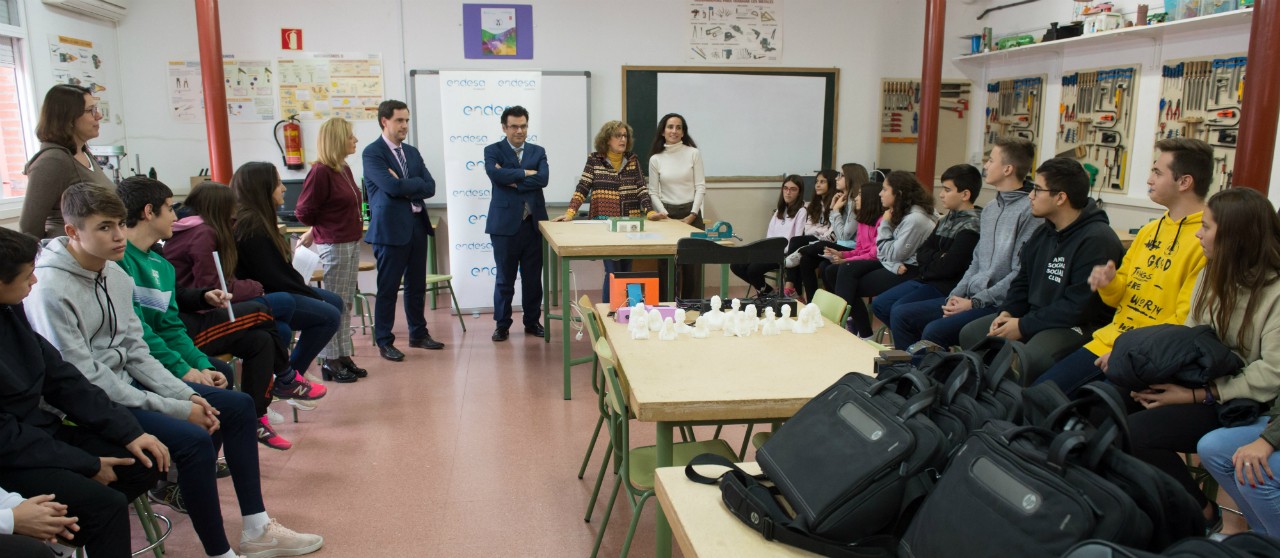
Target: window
{"x":16,"y":110}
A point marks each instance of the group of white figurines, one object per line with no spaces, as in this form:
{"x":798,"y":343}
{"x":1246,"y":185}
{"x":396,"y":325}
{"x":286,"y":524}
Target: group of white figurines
{"x":736,"y":321}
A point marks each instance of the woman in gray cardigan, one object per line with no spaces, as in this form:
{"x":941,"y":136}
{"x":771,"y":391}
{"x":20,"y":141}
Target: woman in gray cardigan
{"x":68,"y":119}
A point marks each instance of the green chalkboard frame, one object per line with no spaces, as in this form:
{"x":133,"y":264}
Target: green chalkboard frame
{"x":640,"y":106}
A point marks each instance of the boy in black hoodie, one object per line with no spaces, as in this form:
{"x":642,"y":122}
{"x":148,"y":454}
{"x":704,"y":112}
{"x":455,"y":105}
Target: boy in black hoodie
{"x":1050,"y":306}
{"x":91,"y":467}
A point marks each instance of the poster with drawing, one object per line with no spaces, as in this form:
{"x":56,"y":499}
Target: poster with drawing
{"x":75,"y":62}
{"x":251,"y":95}
{"x":186,"y":91}
{"x":320,"y":86}
{"x":735,"y":31}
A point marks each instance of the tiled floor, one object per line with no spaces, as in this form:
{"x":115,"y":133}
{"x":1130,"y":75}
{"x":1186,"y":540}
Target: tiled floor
{"x":469,"y":451}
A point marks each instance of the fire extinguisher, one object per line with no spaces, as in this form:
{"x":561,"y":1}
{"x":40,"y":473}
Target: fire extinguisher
{"x":291,"y":151}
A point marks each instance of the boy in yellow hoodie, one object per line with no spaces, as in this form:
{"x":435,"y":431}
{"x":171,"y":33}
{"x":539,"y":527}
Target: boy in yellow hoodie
{"x":1153,"y":284}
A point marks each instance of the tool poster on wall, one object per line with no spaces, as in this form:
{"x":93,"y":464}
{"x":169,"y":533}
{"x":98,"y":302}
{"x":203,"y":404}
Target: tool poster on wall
{"x":320,"y":86}
{"x":1095,"y":124}
{"x":251,"y":95}
{"x":735,"y":31}
{"x":75,"y":62}
{"x":1015,"y":108}
{"x":186,"y":91}
{"x":1203,"y":98}
{"x":900,"y":122}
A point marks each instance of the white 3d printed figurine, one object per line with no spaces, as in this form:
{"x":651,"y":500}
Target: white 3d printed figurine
{"x":785,"y":323}
{"x":715,"y":317}
{"x":638,"y":319}
{"x":681,"y":326}
{"x":804,"y":322}
{"x":700,"y":329}
{"x":769,"y":324}
{"x":641,"y":332}
{"x":655,"y":320}
{"x":668,"y":332}
{"x":743,"y":324}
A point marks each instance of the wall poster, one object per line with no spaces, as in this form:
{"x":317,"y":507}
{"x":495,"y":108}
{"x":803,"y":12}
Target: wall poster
{"x":735,"y":31}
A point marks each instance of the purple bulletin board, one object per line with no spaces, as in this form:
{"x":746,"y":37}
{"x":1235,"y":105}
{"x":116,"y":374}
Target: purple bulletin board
{"x":497,"y":31}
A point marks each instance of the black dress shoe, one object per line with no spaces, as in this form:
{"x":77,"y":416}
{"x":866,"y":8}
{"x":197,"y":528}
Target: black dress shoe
{"x":390,"y":352}
{"x":351,"y":367}
{"x":500,"y":335}
{"x":333,"y":371}
{"x":426,"y":343}
{"x":535,"y":330}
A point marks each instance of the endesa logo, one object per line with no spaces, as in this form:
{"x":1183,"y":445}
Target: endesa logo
{"x":517,"y":83}
{"x":464,"y":83}
{"x":469,"y":139}
{"x":473,"y":246}
{"x":475,"y":193}
{"x":489,"y":271}
{"x":475,"y":165}
{"x":483,"y":110}
{"x":475,"y":218}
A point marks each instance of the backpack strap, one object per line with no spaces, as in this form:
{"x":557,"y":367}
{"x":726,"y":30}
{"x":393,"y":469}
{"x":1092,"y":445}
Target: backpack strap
{"x":754,"y":504}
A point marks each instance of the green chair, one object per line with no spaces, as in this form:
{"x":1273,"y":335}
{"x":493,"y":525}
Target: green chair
{"x":637,"y":465}
{"x":832,"y":307}
{"x":593,"y":329}
{"x":437,"y":282}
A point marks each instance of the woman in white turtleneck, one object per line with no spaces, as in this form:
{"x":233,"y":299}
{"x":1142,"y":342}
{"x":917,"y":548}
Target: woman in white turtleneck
{"x":677,"y":185}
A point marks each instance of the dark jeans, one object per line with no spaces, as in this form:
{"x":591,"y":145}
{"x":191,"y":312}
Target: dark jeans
{"x":1161,"y":433}
{"x":753,"y":274}
{"x":687,"y":276}
{"x":194,"y":451}
{"x":102,"y":511}
{"x":860,"y":278}
{"x":18,"y":546}
{"x":613,"y":266}
{"x":1076,"y":370}
{"x":805,"y":275}
{"x":253,"y":338}
{"x":405,"y":264}
{"x":316,"y":320}
{"x":519,"y":253}
{"x":923,"y":321}
{"x":905,"y":293}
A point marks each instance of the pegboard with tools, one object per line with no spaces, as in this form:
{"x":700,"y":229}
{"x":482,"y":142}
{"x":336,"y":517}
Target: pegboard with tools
{"x":1095,"y":123}
{"x":1015,"y":107}
{"x":1202,"y":98}
{"x":900,"y":122}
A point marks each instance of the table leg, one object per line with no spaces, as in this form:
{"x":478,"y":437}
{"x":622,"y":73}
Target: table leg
{"x":663,"y":533}
{"x":671,"y":279}
{"x":555,"y":277}
{"x":546,"y":291}
{"x":724,"y":280}
{"x":564,"y":327}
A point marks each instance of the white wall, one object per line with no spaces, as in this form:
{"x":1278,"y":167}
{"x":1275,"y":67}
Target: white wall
{"x":44,"y":21}
{"x":1132,"y":208}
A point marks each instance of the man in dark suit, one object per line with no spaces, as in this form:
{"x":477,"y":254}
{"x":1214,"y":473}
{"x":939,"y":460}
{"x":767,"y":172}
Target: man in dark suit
{"x":518,"y":172}
{"x":398,"y":185}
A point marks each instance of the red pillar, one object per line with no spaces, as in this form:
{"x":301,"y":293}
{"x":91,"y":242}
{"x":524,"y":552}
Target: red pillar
{"x":935,"y":16}
{"x":215,"y":94}
{"x":1257,"y":142}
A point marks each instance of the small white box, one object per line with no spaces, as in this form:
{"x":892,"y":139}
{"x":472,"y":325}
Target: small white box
{"x":1104,"y":21}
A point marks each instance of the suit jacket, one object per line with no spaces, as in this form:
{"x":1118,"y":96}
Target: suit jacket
{"x":391,"y":216}
{"x":511,"y":188}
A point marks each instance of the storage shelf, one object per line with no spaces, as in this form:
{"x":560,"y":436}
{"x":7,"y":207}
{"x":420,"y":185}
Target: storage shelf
{"x":1153,"y":32}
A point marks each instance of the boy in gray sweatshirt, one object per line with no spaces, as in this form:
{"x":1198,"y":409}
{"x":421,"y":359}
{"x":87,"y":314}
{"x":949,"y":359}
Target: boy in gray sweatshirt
{"x":1006,"y":224}
{"x":83,"y":304}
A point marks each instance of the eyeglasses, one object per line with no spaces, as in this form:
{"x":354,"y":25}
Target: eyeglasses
{"x":621,"y":135}
{"x":94,"y":110}
{"x":1038,"y":190}
{"x":790,"y":189}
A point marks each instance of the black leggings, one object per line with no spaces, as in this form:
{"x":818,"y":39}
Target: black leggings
{"x":1161,"y":433}
{"x":805,"y":275}
{"x":753,"y":274}
{"x":856,"y":279}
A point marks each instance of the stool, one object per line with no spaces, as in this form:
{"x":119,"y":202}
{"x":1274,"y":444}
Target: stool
{"x":150,"y":521}
{"x":441,"y":282}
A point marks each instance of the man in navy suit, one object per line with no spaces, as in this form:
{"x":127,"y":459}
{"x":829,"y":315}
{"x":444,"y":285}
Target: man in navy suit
{"x":518,"y":172}
{"x":398,"y":185}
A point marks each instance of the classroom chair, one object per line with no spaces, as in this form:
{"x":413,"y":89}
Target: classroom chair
{"x":700,"y":251}
{"x":832,"y":307}
{"x":636,"y":469}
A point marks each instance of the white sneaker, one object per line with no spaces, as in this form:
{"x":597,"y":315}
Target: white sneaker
{"x":302,"y":405}
{"x":278,"y":540}
{"x":273,"y":417}
{"x":793,"y":259}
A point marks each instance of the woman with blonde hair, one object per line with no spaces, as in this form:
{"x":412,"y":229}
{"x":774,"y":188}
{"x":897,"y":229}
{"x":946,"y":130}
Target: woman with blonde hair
{"x":612,"y":180}
{"x":330,"y":202}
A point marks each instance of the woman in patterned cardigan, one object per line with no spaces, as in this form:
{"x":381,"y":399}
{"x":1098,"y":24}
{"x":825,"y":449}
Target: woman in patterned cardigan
{"x":613,"y":183}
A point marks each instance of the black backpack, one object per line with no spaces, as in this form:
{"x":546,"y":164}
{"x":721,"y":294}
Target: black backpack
{"x":846,"y":464}
{"x":1243,"y":545}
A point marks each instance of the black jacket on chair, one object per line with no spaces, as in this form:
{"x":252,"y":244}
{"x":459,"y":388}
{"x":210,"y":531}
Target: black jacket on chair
{"x":1167,"y":353}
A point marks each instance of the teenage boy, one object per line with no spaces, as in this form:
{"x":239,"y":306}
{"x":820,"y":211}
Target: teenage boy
{"x":252,"y":336}
{"x":1153,"y":284}
{"x":83,"y":305}
{"x":1006,"y":225}
{"x":1050,"y":305}
{"x":94,"y":467}
{"x":945,"y":255}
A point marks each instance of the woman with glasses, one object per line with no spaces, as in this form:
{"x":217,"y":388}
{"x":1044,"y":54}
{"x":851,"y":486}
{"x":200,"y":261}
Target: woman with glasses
{"x":68,"y":120}
{"x":612,"y":181}
{"x":786,"y":222}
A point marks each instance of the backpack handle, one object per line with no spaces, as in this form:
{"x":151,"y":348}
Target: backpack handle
{"x":1063,"y":444}
{"x":1098,"y":392}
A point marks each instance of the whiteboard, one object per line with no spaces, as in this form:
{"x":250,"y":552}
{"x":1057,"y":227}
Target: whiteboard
{"x":719,"y":106}
{"x":565,"y":128}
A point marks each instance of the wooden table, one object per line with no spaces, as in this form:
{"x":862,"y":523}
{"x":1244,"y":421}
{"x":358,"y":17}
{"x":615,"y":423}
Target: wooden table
{"x":591,"y":240}
{"x":725,"y":380}
{"x":704,"y":527}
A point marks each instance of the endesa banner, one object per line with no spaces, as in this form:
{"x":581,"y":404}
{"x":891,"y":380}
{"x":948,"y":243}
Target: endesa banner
{"x":471,"y":105}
